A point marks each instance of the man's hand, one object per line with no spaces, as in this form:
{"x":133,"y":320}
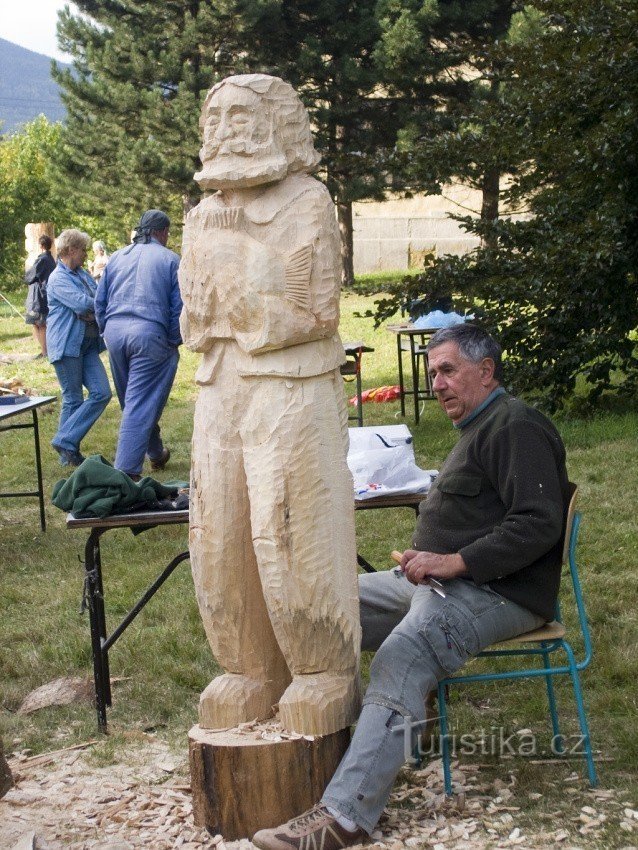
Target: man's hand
{"x":419,"y":566}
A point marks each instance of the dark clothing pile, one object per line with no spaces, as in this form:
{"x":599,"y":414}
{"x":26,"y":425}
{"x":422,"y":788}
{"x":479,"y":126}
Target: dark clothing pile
{"x":97,"y":489}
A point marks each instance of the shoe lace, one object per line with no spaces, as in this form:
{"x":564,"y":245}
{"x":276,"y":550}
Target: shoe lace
{"x":308,"y":818}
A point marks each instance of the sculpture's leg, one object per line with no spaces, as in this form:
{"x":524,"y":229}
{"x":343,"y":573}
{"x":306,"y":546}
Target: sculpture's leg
{"x":225,"y":571}
{"x":302,"y":515}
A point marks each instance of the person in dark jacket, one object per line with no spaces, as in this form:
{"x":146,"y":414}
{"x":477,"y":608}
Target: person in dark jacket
{"x":137,"y":307}
{"x":37,"y":307}
{"x":491,"y":532}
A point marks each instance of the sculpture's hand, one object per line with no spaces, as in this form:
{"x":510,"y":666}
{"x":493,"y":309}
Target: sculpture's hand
{"x":245,"y":311}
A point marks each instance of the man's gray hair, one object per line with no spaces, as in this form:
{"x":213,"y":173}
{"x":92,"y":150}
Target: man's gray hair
{"x":474,"y":344}
{"x":70,"y":239}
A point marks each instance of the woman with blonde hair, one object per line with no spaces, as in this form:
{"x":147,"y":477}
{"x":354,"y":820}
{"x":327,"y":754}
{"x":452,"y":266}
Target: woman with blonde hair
{"x":74,"y":345}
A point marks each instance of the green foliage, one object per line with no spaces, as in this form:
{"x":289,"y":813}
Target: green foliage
{"x":134,"y":98}
{"x":32,"y":190}
{"x":327,"y":50}
{"x":559,"y":285}
{"x":141,"y":72}
{"x":27,"y":190}
{"x":446,"y":55}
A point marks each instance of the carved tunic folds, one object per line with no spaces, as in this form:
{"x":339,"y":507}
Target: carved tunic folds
{"x":266,"y":276}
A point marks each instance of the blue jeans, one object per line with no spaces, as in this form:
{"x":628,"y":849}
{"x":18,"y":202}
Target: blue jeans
{"x":143,"y":365}
{"x":78,"y":413}
{"x":419,"y":639}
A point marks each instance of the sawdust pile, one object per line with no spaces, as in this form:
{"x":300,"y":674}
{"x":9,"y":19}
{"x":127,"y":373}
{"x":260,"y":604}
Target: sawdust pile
{"x":62,"y":801}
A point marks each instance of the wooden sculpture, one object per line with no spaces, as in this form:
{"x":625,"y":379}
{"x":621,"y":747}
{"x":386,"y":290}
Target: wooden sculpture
{"x":272,"y":537}
{"x":32,"y":232}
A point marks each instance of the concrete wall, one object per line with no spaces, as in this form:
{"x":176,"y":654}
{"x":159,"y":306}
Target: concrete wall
{"x":396,"y":234}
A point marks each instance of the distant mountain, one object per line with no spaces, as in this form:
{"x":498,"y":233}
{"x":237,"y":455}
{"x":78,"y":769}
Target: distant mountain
{"x":26,"y":87}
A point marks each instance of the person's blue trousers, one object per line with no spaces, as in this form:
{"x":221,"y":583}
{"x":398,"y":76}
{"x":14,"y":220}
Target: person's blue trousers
{"x":143,"y":365}
{"x":419,"y":638}
{"x":78,"y":414}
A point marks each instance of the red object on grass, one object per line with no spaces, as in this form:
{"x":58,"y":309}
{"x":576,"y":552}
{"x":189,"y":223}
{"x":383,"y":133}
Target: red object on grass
{"x":378,"y":394}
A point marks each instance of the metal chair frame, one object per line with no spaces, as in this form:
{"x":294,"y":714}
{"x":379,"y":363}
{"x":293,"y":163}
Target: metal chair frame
{"x":548,"y":643}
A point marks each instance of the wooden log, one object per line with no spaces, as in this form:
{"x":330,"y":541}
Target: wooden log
{"x":242,"y":783}
{"x":32,"y":232}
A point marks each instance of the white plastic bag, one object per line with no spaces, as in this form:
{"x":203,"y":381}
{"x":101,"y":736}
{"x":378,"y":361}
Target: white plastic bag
{"x":381,"y":460}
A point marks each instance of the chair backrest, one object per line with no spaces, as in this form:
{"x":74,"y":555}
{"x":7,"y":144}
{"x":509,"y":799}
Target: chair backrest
{"x":572,"y":527}
{"x":569,"y":521}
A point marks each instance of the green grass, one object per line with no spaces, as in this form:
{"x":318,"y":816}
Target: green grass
{"x":164,"y":659}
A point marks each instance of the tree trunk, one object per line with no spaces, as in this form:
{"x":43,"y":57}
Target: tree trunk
{"x":491,"y":180}
{"x":344,"y":217}
{"x":489,"y":205}
{"x":242,"y":783}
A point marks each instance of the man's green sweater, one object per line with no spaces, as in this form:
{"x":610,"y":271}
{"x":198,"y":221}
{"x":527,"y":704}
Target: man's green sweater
{"x":500,"y":501}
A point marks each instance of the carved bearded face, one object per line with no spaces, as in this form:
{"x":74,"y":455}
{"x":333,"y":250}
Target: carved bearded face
{"x":240,"y":146}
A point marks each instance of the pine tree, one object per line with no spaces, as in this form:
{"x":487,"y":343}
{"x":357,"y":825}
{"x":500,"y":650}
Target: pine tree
{"x":327,"y":50}
{"x":141,"y":71}
{"x":452,"y":50}
{"x":133,"y":100}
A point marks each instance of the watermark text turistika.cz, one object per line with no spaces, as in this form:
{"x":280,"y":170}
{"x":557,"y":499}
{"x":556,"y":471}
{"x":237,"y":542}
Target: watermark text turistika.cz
{"x":496,"y":742}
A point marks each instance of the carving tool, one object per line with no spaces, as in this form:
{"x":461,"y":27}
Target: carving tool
{"x":435,"y":586}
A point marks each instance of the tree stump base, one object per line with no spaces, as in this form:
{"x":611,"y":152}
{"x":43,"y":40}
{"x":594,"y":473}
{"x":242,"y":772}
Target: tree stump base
{"x":6,"y":779}
{"x":242,"y":783}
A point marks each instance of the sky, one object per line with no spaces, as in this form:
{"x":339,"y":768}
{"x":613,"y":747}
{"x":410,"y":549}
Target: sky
{"x":31,"y":24}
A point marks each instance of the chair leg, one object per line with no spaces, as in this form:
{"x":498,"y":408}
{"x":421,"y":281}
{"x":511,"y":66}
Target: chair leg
{"x":551,"y":699}
{"x":445,"y":744}
{"x":582,"y":716}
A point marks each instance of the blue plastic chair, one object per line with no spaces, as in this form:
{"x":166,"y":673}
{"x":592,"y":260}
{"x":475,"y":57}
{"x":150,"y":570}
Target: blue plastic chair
{"x":546,"y":641}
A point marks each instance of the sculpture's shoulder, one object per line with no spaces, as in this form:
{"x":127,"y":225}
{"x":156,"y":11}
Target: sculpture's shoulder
{"x":297,"y":192}
{"x":208,"y":204}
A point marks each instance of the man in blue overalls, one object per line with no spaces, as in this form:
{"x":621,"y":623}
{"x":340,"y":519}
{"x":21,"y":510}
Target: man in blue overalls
{"x":137,"y":308}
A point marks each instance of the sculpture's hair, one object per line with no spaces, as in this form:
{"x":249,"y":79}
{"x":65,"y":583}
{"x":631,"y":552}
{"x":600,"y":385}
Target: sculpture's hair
{"x":98,"y":245}
{"x":474,"y":344}
{"x":70,"y":239}
{"x":290,"y":119}
{"x":45,"y":242}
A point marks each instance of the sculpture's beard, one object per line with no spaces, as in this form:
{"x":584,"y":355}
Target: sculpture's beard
{"x":240,"y":163}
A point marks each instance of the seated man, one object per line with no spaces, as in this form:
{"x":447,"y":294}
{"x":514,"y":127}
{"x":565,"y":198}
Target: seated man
{"x":491,"y":531}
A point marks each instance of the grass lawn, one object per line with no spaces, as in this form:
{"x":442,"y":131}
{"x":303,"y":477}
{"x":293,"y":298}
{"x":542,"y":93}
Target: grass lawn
{"x":164,"y":660}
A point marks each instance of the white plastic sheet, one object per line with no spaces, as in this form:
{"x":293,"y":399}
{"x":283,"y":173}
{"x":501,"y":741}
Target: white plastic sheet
{"x":381,"y":460}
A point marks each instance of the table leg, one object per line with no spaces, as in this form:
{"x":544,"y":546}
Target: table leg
{"x":401,"y":386}
{"x":38,"y":466}
{"x":429,"y":392}
{"x":106,"y":671}
{"x":95,"y":598}
{"x":365,"y":565}
{"x":148,"y":594}
{"x":415,"y":379}
{"x":359,"y":400}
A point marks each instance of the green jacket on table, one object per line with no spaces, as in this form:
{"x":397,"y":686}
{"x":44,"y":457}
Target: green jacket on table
{"x":98,"y":489}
